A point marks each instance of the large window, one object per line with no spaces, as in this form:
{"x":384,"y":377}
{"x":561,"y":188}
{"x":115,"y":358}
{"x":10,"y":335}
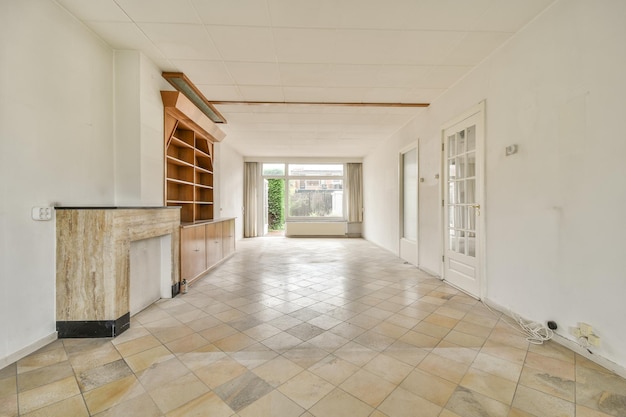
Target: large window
{"x":313,"y":190}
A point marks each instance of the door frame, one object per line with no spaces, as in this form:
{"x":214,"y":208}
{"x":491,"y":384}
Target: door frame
{"x":405,"y":244}
{"x":481,"y":247}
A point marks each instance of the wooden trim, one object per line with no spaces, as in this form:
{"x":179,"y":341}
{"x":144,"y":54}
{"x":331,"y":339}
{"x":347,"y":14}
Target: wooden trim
{"x":181,"y":108}
{"x":170,"y":76}
{"x":315,"y":103}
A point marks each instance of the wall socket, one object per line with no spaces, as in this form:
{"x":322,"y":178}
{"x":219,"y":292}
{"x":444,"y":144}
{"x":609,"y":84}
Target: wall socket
{"x":42,"y":213}
{"x":584,"y":333}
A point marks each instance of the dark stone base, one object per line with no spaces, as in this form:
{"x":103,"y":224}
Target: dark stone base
{"x":175,"y":289}
{"x":94,"y":328}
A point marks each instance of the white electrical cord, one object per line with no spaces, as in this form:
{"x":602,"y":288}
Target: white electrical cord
{"x":536,"y":333}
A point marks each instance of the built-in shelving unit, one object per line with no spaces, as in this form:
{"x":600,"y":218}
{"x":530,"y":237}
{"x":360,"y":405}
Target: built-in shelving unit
{"x":189,"y":139}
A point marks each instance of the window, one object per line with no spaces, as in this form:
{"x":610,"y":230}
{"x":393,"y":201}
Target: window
{"x":313,"y":190}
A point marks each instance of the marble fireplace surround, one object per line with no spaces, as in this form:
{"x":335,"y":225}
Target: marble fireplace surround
{"x":93,"y":264}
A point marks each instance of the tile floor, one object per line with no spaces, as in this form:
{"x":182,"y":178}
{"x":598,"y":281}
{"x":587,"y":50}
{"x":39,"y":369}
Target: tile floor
{"x":311,"y":327}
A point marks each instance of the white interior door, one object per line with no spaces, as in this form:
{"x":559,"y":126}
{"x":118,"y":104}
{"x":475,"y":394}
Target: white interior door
{"x":409,"y":215}
{"x":463,"y":196}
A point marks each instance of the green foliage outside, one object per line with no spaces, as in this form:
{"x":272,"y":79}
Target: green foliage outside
{"x":276,"y":204}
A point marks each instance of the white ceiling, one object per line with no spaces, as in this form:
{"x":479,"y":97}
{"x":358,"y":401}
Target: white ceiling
{"x":358,"y":51}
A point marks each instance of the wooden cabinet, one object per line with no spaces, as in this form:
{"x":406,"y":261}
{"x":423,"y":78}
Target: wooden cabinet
{"x":193,"y":252}
{"x":204,"y":245}
{"x":214,"y":252}
{"x":228,"y":237}
{"x":189,"y":138}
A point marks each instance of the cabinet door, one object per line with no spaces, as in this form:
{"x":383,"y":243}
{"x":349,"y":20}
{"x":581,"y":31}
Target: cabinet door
{"x":213,"y":244}
{"x":192,"y":252}
{"x":228,"y":237}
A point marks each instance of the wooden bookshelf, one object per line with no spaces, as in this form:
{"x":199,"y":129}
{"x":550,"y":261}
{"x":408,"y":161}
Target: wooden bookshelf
{"x":189,"y":151}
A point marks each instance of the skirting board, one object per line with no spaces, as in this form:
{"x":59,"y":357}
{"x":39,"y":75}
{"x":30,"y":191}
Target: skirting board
{"x":571,"y":345}
{"x":33,"y":347}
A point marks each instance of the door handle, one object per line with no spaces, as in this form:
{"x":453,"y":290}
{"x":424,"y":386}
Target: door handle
{"x":477,"y":208}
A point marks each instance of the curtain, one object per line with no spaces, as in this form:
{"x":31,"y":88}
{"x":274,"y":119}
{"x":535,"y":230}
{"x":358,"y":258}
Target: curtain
{"x":250,"y":182}
{"x":355,"y":192}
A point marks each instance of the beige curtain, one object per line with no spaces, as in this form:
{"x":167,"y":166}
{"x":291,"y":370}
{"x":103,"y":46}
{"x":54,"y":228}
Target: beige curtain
{"x":355,"y":192}
{"x":250,"y":182}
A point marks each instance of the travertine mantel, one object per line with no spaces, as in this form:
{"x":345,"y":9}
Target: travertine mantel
{"x":93,"y":261}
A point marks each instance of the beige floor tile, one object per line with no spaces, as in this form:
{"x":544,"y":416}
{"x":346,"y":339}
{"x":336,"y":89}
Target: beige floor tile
{"x":404,"y":352}
{"x":220,"y":372}
{"x":334,"y":369}
{"x":172,"y":333}
{"x":73,"y":406}
{"x":8,"y":405}
{"x":98,"y":355}
{"x":507,"y":353}
{"x":271,"y":405}
{"x":277,"y":371}
{"x":207,"y":404}
{"x":431,"y":330}
{"x":402,"y":403}
{"x":254,"y":355}
{"x":325,"y":322}
{"x":516,"y":412}
{"x":600,"y":391}
{"x":213,"y":334}
{"x":497,"y":366}
{"x":389,"y":368}
{"x":448,"y":369}
{"x":305,"y":355}
{"x":40,"y":359}
{"x":448,"y":413}
{"x":243,"y":391}
{"x":582,"y":411}
{"x":134,"y":332}
{"x":368,"y":387}
{"x":45,"y":395}
{"x":137,"y":345}
{"x":541,"y":404}
{"x":464,"y":339}
{"x":434,"y":389}
{"x":355,"y":353}
{"x":178,"y":392}
{"x":328,"y":341}
{"x":467,"y":403}
{"x":492,"y":386}
{"x":339,"y":403}
{"x":187,"y":343}
{"x":161,"y":373}
{"x":555,"y":367}
{"x":473,"y":329}
{"x":553,"y":350}
{"x":201,"y":357}
{"x":390,"y":330}
{"x":419,"y":340}
{"x":147,"y":358}
{"x":96,"y":377}
{"x":8,"y":386}
{"x":282,"y":341}
{"x":306,"y":389}
{"x":112,"y":394}
{"x":262,"y":331}
{"x":8,"y":371}
{"x":550,"y":384}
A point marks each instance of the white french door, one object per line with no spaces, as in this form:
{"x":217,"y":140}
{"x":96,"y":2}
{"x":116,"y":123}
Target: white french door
{"x":463,"y":153}
{"x":409,"y":205}
{"x":265,"y":207}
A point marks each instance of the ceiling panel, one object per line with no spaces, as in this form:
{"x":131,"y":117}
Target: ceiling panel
{"x":181,"y":41}
{"x":160,"y":11}
{"x":96,"y":10}
{"x":254,"y":73}
{"x":204,"y":72}
{"x":233,"y":12}
{"x":348,"y":51}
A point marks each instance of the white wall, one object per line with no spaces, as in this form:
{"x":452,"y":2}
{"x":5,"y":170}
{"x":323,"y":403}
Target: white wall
{"x":139,"y":138}
{"x":554,"y":211}
{"x":229,"y":177}
{"x":56,"y":129}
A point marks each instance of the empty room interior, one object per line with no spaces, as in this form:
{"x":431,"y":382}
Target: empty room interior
{"x":312,"y":208}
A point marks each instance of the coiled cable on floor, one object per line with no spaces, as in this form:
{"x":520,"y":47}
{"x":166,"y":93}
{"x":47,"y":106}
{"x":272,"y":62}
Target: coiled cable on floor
{"x":536,"y":333}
